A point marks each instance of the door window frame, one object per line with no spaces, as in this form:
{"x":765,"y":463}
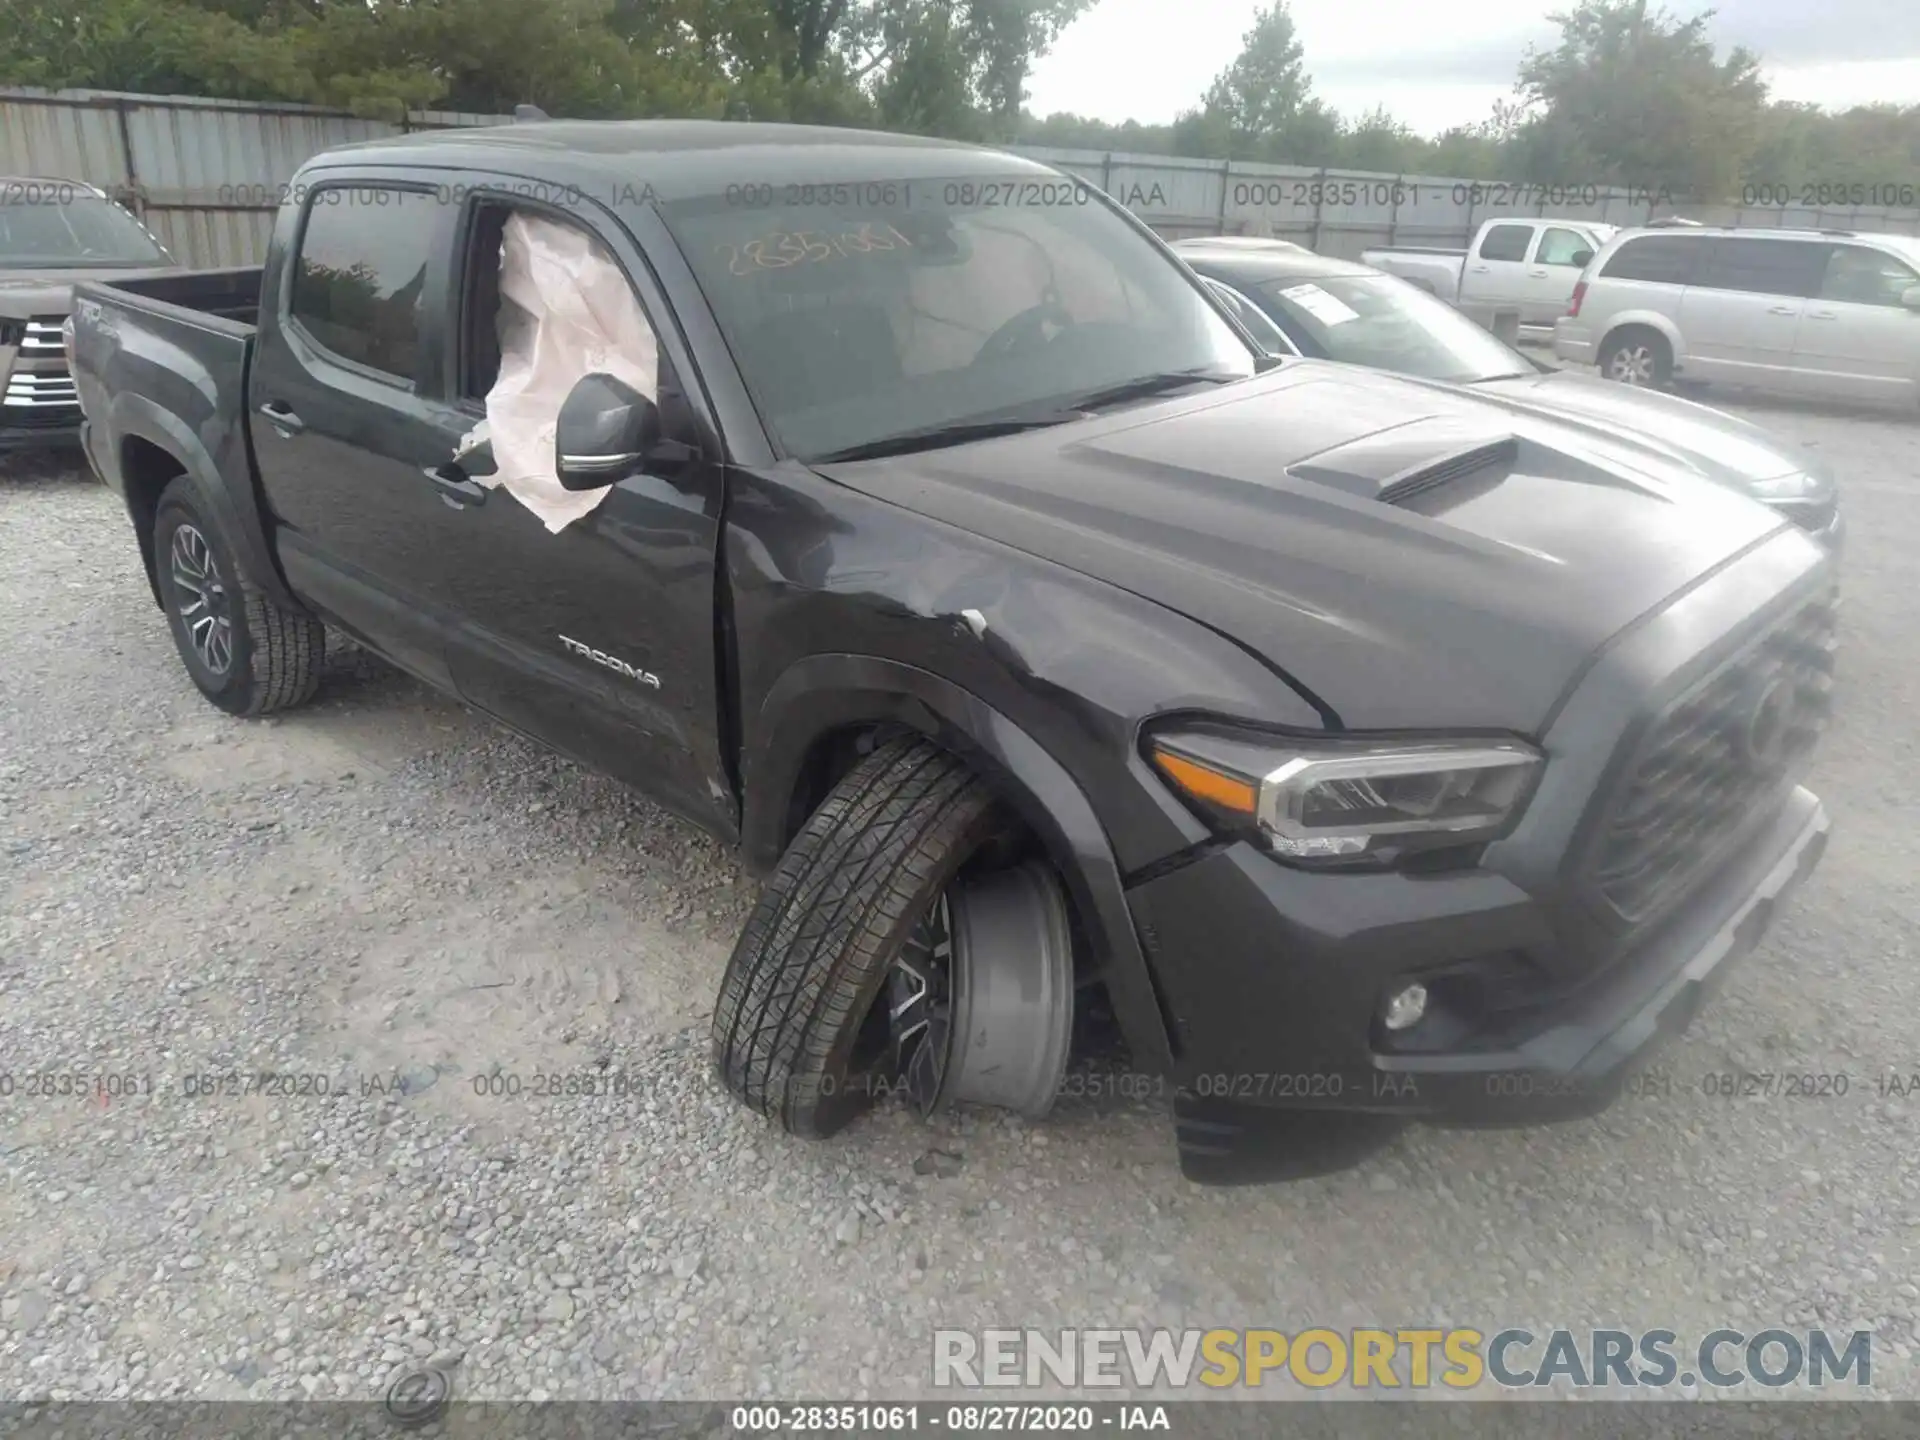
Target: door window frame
{"x":502,"y":190}
{"x":1703,"y":271}
{"x":1647,"y":241}
{"x":1585,"y":240}
{"x":1533,"y":234}
{"x":1883,"y":255}
{"x":312,"y":350}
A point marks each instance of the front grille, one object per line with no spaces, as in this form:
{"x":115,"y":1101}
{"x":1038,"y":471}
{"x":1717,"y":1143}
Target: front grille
{"x":1708,"y":766}
{"x":36,"y":388}
{"x":43,"y":337}
{"x":40,"y":387}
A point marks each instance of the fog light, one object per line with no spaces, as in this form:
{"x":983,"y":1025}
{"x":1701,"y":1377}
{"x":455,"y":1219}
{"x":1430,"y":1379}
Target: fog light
{"x":1405,"y":1007}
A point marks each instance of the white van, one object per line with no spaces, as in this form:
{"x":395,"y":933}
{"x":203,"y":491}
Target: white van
{"x":1804,"y":312}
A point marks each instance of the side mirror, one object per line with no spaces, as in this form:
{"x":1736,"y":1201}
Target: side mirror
{"x":1582,"y":258}
{"x":1910,"y":297}
{"x":605,"y":430}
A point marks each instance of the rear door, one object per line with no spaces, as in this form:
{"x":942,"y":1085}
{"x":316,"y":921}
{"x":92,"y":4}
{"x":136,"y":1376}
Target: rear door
{"x":343,"y":430}
{"x":598,"y":638}
{"x":1496,"y":271}
{"x":1857,"y":341}
{"x":1742,"y":312}
{"x":1559,"y":255}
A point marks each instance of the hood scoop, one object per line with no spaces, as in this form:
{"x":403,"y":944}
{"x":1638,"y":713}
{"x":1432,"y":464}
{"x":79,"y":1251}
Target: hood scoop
{"x":1402,"y":465}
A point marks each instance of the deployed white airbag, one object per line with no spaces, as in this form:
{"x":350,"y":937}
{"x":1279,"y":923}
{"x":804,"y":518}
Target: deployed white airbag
{"x":566,"y":311}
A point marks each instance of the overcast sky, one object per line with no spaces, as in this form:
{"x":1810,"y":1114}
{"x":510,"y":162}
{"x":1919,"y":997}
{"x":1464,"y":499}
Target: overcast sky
{"x":1436,"y":63}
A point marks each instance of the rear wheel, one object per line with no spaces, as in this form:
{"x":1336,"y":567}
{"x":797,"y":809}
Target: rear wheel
{"x":891,"y":953}
{"x":1638,"y":357}
{"x":246,"y":654}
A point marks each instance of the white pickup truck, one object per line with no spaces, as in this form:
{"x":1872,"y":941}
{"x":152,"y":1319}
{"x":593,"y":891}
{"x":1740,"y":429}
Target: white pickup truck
{"x":1516,"y":268}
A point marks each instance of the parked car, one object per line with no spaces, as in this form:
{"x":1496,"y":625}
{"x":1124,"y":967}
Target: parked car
{"x":1800,"y":312}
{"x":1306,"y":304}
{"x":1366,"y":750}
{"x":1515,"y":265}
{"x":53,"y":233}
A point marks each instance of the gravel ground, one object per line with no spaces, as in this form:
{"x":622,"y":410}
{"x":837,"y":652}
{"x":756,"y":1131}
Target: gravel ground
{"x":386,"y":893}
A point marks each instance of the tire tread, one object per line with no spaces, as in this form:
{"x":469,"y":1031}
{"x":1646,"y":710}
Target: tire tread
{"x":842,"y":901}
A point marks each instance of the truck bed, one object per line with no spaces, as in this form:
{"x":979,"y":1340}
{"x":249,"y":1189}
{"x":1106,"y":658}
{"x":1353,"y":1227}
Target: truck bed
{"x":232,"y":295}
{"x":162,"y":361}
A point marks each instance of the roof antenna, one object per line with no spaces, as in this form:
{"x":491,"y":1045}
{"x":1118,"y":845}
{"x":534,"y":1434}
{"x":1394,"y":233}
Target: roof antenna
{"x":529,"y":112}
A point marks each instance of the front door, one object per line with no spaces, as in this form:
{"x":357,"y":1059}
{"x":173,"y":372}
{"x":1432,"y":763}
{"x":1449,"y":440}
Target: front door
{"x":1559,"y":255}
{"x":597,"y":638}
{"x":1857,"y":339}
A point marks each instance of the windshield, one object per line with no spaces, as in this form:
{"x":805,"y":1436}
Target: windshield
{"x":903,"y":307}
{"x":1378,"y":321}
{"x":56,"y":225}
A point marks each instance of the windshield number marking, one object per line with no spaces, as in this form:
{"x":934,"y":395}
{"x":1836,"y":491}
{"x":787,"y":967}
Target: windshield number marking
{"x":784,"y":249}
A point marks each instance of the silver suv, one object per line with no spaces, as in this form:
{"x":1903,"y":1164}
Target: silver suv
{"x":54,"y":233}
{"x":1805,"y":312}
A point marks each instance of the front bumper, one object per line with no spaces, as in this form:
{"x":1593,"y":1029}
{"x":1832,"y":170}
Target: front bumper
{"x":1320,"y":973}
{"x":1547,"y":989}
{"x":60,"y":432}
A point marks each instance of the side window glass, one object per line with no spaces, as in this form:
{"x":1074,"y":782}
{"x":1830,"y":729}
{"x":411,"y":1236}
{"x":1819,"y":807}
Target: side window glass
{"x":1788,"y":268}
{"x":1663,"y":259}
{"x":1558,"y":247}
{"x":358,"y":278}
{"x":1506,"y":242}
{"x":1858,"y":276}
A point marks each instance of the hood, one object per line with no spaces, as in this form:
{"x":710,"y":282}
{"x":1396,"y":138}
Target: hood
{"x":25,"y":294}
{"x":1724,"y":449}
{"x":1409,"y":556}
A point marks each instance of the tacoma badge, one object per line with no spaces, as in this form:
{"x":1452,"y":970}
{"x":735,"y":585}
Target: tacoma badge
{"x":600,"y":657}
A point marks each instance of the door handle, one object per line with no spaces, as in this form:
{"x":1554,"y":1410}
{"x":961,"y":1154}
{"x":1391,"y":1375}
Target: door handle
{"x":1479,"y":269}
{"x":1821,"y":315}
{"x":455,"y":488}
{"x":1538,"y":274}
{"x":282,"y":419}
{"x":1783,"y":310}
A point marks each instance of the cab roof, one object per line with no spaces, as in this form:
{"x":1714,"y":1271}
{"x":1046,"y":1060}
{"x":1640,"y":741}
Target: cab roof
{"x":680,"y":158}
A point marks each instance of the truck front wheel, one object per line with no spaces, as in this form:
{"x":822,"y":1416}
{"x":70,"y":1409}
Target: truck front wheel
{"x":247,"y":655}
{"x":892,"y":953}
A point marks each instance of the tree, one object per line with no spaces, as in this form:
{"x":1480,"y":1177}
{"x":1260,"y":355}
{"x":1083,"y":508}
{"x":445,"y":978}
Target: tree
{"x":1631,"y":96}
{"x":1381,"y":143}
{"x":148,"y":45}
{"x":1265,"y":86}
{"x":948,"y":66}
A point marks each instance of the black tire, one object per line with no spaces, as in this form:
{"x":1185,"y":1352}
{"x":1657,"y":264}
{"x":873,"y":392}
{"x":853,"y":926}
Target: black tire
{"x":791,"y":1029}
{"x":272,"y":656}
{"x":1637,"y":356}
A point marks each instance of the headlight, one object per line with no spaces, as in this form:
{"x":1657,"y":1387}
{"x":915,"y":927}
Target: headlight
{"x":1806,"y":487}
{"x":1364,"y":803}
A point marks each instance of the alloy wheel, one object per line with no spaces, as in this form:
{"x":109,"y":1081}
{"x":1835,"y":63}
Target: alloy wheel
{"x":1632,"y":365}
{"x":919,"y":1000}
{"x":204,"y":602}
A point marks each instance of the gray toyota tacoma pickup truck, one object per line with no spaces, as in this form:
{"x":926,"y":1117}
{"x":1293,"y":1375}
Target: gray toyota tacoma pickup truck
{"x":910,"y":516}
